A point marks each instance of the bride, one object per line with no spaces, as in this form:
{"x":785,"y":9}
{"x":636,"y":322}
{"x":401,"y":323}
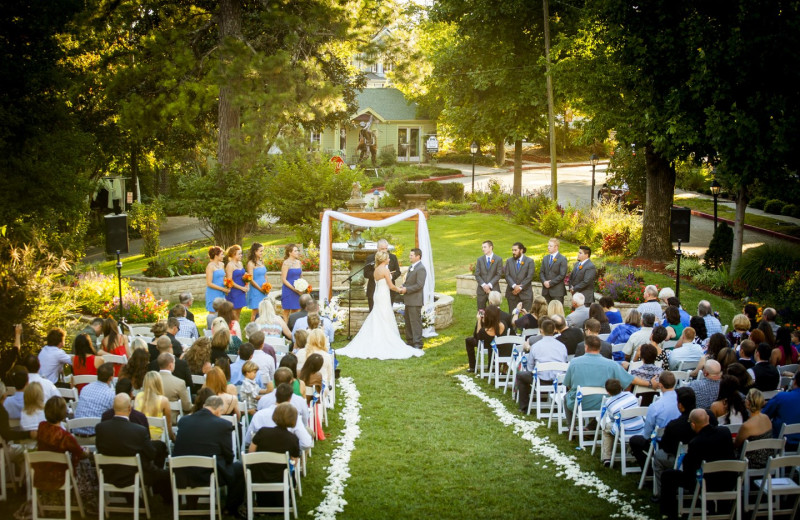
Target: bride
{"x":379,"y":337}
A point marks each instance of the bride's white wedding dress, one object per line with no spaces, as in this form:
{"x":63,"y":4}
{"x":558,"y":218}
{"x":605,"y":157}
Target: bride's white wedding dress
{"x":379,"y":337}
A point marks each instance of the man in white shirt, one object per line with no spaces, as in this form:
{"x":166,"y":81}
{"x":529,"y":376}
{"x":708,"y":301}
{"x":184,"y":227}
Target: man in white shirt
{"x":284,"y":375}
{"x":263,"y":419}
{"x":32,"y":364}
{"x":651,"y":303}
{"x":52,"y":357}
{"x":266,"y":365}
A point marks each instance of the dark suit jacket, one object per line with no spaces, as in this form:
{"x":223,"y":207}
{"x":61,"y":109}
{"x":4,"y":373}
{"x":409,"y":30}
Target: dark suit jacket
{"x":181,"y":371}
{"x":570,"y":338}
{"x":369,"y":272}
{"x":522,"y":276}
{"x":293,"y":317}
{"x":712,"y":443}
{"x":678,"y":430}
{"x":121,"y":438}
{"x":204,"y":434}
{"x":767,"y":376}
{"x":555,"y":274}
{"x":606,"y":349}
{"x":136,"y":417}
{"x":177,"y":348}
{"x":582,"y":280}
{"x":490,"y":274}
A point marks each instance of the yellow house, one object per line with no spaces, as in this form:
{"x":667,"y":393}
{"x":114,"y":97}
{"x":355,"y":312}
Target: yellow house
{"x":396,"y":124}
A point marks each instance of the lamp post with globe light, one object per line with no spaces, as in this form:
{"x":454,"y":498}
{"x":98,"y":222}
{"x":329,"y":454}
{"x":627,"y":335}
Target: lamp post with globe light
{"x":473,"y":148}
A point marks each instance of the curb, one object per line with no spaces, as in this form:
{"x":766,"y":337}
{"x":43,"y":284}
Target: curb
{"x":774,"y":234}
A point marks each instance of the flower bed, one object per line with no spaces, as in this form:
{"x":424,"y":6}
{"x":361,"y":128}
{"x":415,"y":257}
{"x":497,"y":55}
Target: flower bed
{"x":629,"y":289}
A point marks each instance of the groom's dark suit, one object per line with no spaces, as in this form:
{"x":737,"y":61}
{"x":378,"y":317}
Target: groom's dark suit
{"x":369,"y":271}
{"x":414,"y":299}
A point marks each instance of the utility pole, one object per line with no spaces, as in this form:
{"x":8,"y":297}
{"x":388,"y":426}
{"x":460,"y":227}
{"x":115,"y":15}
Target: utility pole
{"x":551,"y":118}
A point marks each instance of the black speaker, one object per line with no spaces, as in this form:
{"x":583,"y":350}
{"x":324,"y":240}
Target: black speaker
{"x":116,"y":233}
{"x":680,"y":221}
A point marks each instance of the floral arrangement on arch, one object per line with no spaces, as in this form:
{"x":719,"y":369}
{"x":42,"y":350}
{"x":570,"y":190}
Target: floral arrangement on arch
{"x":335,"y":312}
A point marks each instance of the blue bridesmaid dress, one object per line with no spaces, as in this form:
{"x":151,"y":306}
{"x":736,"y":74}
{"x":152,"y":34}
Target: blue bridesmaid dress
{"x":217,"y":278}
{"x":254,"y":297}
{"x":237,"y":296}
{"x":289,"y":298}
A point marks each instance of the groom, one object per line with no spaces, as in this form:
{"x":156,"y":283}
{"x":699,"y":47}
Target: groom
{"x":412,"y":289}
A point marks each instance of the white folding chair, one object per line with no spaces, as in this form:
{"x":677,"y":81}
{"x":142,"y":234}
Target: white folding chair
{"x":527,"y":333}
{"x":680,"y":376}
{"x":580,"y":415}
{"x":198,"y":380}
{"x":790,"y":429}
{"x":778,"y":486}
{"x":720,"y":466}
{"x":279,"y":344}
{"x":211,"y":491}
{"x":687,"y":365}
{"x":617,"y":347}
{"x":539,"y":390}
{"x":284,"y":486}
{"x":140,"y":331}
{"x":233,"y":357}
{"x":137,"y":488}
{"x":558,"y":404}
{"x":633,"y":365}
{"x":502,"y":353}
{"x":70,"y":395}
{"x":622,"y":438}
{"x":161,"y":422}
{"x":176,"y":407}
{"x":603,"y":337}
{"x":36,"y":457}
{"x":791,"y":369}
{"x":82,"y":380}
{"x":770,"y":394}
{"x":669,"y":345}
{"x":116,"y":359}
{"x":234,"y":434}
{"x":481,"y":353}
{"x":775,"y":445}
{"x":83,"y":422}
{"x":9,"y":470}
{"x":184,"y":341}
{"x":649,"y":462}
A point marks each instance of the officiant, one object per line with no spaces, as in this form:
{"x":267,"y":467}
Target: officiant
{"x":369,"y":271}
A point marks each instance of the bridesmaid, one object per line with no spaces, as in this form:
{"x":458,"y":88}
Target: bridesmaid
{"x":215,"y":274}
{"x":256,"y":269}
{"x":291,"y":270}
{"x":234,"y":270}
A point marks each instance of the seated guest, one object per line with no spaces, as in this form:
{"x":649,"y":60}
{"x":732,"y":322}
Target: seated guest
{"x":175,"y":388}
{"x":592,"y":328}
{"x":6,"y":432}
{"x":784,"y":408}
{"x":547,"y":349}
{"x":579,"y":313}
{"x":84,"y":361}
{"x":729,"y":408}
{"x":659,"y":414}
{"x":250,"y":390}
{"x":300,"y":340}
{"x":596,"y":312}
{"x":751,"y":311}
{"x":203,"y":433}
{"x":221,"y":344}
{"x":686,"y":349}
{"x":612,"y":313}
{"x":488,"y":326}
{"x":33,"y":407}
{"x":276,"y":439}
{"x":96,"y":398}
{"x":31,"y":363}
{"x":706,"y":389}
{"x":621,"y":334}
{"x":270,"y":323}
{"x":305,"y":299}
{"x":651,"y":303}
{"x":556,"y":308}
{"x":648,"y":353}
{"x":674,"y":326}
{"x":712,"y":443}
{"x":741,"y":374}
{"x":712,"y":322}
{"x":316,"y":345}
{"x":747,"y":352}
{"x":569,"y":336}
{"x":13,"y":404}
{"x":699,"y":326}
{"x":200,"y":399}
{"x":303,"y":323}
{"x":215,"y":380}
{"x":263,"y":419}
{"x":186,"y":327}
{"x":616,"y":403}
{"x":310,"y":373}
{"x":185,"y":300}
{"x":755,"y":428}
{"x":667,"y":296}
{"x":298,"y":387}
{"x":245,"y":355}
{"x":151,"y":402}
{"x":784,"y":353}
{"x":136,"y":368}
{"x":768,"y":317}
{"x":181,"y":370}
{"x":284,"y":376}
{"x":727,"y":357}
{"x":529,"y":319}
{"x":225,"y":366}
{"x":765,"y":374}
{"x":640,"y":337}
{"x":215,"y":304}
{"x":716,"y":343}
{"x":49,"y":476}
{"x":124,"y":386}
{"x":495,"y":298}
{"x":741,"y":330}
{"x":173,"y":326}
{"x":114,"y":342}
{"x":226,"y":312}
{"x":198,"y":357}
{"x":52,"y":357}
{"x":120,"y":437}
{"x":93,"y":330}
{"x":265,"y":362}
{"x":158,"y":330}
{"x":657,"y":338}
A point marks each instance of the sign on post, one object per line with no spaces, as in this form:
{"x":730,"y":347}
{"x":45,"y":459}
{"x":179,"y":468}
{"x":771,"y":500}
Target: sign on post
{"x":338,"y":161}
{"x":432,"y":144}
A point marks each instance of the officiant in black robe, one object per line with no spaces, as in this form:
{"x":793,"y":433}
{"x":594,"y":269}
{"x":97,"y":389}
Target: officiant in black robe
{"x":369,"y":271}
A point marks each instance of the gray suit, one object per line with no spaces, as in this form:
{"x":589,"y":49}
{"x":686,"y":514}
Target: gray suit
{"x":490,"y":274}
{"x":414,"y":299}
{"x":521,"y":275}
{"x":175,"y":390}
{"x":578,"y":317}
{"x":582,"y":280}
{"x":553,"y":272}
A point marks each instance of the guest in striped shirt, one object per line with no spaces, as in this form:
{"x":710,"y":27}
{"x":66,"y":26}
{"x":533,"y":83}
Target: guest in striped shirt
{"x":618,"y":401}
{"x":96,"y":397}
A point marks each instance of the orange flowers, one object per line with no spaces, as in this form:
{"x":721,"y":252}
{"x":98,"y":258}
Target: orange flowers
{"x":227,"y":282}
{"x":309,"y":289}
{"x":247,"y":277}
{"x":266,"y":288}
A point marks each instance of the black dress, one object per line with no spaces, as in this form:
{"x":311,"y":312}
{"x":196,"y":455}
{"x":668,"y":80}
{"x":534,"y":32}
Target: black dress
{"x":276,"y":440}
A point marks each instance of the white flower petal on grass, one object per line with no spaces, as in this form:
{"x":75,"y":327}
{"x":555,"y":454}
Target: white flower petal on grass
{"x":568,"y":466}
{"x":338,"y":468}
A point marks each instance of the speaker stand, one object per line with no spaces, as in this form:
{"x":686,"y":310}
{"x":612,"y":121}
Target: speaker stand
{"x":678,"y":254}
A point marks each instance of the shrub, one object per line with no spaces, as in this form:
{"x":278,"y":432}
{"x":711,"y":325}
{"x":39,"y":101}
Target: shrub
{"x":627,"y":289}
{"x":390,"y":201}
{"x":790,"y":210}
{"x":387,"y":156}
{"x":399,"y":188}
{"x":137,"y":307}
{"x":464,"y":158}
{"x":147,"y":219}
{"x":721,"y":247}
{"x":445,"y":207}
{"x":432,"y":188}
{"x":763,"y":270}
{"x":616,"y":242}
{"x":773,"y":206}
{"x":454,"y":191}
{"x":787,"y":302}
{"x":690,"y":177}
{"x":552,"y":221}
{"x":716,"y":279}
{"x":608,"y":219}
{"x":525,"y":209}
{"x":92,"y":291}
{"x":758,"y":202}
{"x":169,"y":265}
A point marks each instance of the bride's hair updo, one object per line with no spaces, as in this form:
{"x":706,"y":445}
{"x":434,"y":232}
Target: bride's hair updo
{"x":381,"y":257}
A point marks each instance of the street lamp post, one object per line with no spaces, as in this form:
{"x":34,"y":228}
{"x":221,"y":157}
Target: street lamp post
{"x":473,"y":148}
{"x":715,"y":189}
{"x":119,"y":280}
{"x":593,"y":160}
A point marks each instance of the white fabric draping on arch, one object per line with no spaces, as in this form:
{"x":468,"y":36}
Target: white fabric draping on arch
{"x":325,"y":240}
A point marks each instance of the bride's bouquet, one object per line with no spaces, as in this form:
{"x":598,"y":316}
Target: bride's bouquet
{"x":334,"y":312}
{"x":428,"y":317}
{"x":302,"y":286}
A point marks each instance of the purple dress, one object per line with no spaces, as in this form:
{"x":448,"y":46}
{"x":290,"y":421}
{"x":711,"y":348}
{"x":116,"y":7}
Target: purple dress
{"x":237,"y":296}
{"x":289,"y":298}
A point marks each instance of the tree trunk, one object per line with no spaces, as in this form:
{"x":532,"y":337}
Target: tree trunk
{"x":230,"y":25}
{"x":738,"y":227}
{"x":499,"y":151}
{"x":566,"y":134}
{"x":518,"y":167}
{"x":660,"y":192}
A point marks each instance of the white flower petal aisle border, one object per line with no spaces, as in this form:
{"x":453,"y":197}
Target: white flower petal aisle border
{"x":567,"y":466}
{"x":338,"y":469}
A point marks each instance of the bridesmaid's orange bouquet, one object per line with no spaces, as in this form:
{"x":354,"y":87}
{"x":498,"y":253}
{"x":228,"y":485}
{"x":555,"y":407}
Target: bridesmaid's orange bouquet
{"x":247,"y":277}
{"x":309,"y":289}
{"x":227,"y":282}
{"x":266,"y":288}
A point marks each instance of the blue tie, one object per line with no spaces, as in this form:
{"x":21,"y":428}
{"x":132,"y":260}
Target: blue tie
{"x":518,"y":262}
{"x":487,"y":261}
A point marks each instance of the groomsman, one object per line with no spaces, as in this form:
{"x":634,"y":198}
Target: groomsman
{"x":488,"y":270}
{"x":552,"y":273}
{"x":519,"y":275}
{"x":583,"y":274}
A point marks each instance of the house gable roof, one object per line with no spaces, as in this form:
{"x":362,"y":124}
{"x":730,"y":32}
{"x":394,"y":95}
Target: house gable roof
{"x":387,"y":104}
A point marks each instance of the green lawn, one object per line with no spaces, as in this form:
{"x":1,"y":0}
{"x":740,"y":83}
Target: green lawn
{"x":762,"y":221}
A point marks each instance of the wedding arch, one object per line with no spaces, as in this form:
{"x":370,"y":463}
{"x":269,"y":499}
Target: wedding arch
{"x":367,"y":220}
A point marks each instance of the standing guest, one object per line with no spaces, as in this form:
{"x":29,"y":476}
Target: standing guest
{"x":592,"y":328}
{"x":785,"y":352}
{"x":659,"y":414}
{"x":234,"y":271}
{"x":369,"y":271}
{"x":151,"y":402}
{"x":14,"y":403}
{"x":784,"y":408}
{"x":114,"y":342}
{"x":548,"y":349}
{"x":621,"y":333}
{"x":712,"y":322}
{"x":530,"y":319}
{"x":685,"y":350}
{"x":49,"y":476}
{"x":765,"y":374}
{"x":488,"y":271}
{"x":96,"y":397}
{"x":181,"y":370}
{"x":52,"y":357}
{"x":305,"y":299}
{"x":175,"y":388}
{"x":612,"y":313}
{"x":741,"y":330}
{"x":215,"y":380}
{"x":569,"y":336}
{"x":596,"y":312}
{"x":276,"y":439}
{"x":93,"y":330}
{"x":673,"y":318}
{"x":124,"y":386}
{"x":579,"y":313}
{"x":651,"y":303}
{"x":84,"y":361}
{"x":120,"y":437}
{"x":615,"y":404}
{"x":751,"y":311}
{"x":519,"y":273}
{"x":215,"y":276}
{"x":269,"y":322}
{"x":755,"y":428}
{"x":706,"y":390}
{"x":186,"y":327}
{"x":495,"y":298}
{"x":641,"y":336}
{"x":136,"y":368}
{"x":487,"y":327}
{"x":258,"y":277}
{"x":552,"y":272}
{"x":205,"y":434}
{"x":33,"y":407}
{"x":31,"y":363}
{"x":729,"y":408}
{"x":583,"y":275}
{"x":291,"y":271}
